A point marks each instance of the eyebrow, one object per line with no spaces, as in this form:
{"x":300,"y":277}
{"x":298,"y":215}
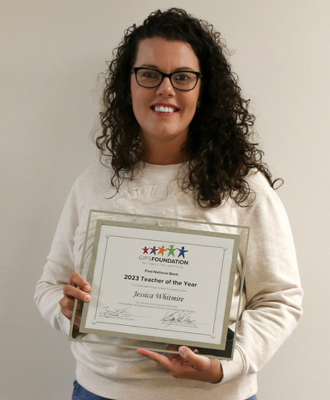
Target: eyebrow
{"x":176,"y":69}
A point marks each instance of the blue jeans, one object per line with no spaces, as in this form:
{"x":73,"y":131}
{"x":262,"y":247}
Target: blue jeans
{"x":80,"y":393}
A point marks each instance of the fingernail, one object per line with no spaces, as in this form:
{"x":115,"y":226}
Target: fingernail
{"x":87,"y":297}
{"x":87,"y":287}
{"x":182,"y":351}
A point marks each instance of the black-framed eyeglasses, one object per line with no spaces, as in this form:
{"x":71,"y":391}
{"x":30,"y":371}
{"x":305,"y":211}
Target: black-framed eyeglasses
{"x":152,"y":78}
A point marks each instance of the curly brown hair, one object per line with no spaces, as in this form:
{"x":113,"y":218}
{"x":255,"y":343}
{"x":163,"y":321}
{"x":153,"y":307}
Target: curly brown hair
{"x":218,"y":147}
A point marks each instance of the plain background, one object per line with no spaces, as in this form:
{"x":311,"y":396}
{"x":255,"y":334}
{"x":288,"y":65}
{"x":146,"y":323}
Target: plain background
{"x":51,"y":55}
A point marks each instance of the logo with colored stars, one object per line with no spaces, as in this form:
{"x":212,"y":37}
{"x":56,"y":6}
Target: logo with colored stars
{"x":167,"y":252}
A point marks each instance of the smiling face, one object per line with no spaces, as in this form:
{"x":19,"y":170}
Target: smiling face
{"x":164,"y":113}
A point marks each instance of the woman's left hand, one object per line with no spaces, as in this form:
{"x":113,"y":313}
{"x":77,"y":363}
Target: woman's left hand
{"x":187,"y":364}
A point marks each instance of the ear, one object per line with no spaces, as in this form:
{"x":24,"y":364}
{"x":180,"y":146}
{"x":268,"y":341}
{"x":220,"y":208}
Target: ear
{"x":129,"y":98}
{"x":199,"y":96}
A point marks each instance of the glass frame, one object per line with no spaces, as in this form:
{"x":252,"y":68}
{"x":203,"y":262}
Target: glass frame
{"x":161,"y":225}
{"x":137,"y":69}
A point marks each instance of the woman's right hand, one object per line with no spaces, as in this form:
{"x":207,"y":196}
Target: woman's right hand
{"x":79,"y":289}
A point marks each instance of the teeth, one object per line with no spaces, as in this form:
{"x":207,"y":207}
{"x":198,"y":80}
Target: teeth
{"x":164,"y":109}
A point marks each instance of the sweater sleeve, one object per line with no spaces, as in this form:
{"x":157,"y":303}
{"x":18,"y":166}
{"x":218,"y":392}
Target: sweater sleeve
{"x":272,"y":289}
{"x":59,"y":266}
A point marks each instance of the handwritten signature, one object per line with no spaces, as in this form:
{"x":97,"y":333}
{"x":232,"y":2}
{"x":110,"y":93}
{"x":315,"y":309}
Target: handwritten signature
{"x":177,"y":317}
{"x":121,"y":313}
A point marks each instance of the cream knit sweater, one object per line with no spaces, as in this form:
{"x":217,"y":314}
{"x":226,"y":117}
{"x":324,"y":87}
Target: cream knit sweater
{"x":272,"y":296}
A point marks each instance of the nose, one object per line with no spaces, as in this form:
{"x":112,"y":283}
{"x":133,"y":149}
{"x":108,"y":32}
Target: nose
{"x":165,"y":88}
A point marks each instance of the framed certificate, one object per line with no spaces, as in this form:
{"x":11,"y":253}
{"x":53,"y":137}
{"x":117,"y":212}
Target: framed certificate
{"x":161,"y":280}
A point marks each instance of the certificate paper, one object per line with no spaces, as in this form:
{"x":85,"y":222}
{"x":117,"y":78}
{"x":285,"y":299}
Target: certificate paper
{"x":157,"y":283}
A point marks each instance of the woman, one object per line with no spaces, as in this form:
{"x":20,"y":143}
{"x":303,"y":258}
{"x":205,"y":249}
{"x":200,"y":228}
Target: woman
{"x":175,"y":143}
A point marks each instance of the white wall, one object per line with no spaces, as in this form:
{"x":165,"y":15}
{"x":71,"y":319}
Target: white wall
{"x":51,"y":55}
